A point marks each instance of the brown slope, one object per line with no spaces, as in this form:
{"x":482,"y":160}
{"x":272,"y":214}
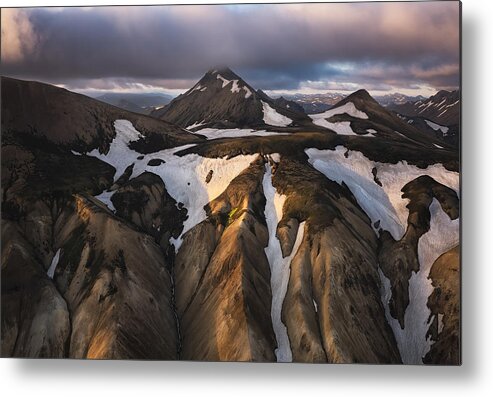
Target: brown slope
{"x":73,"y":120}
{"x":389,"y":127}
{"x":444,"y":304}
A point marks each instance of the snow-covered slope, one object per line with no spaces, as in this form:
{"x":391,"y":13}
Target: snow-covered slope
{"x":382,"y":204}
{"x":343,"y":127}
{"x":272,"y":117}
{"x":184,"y":177}
{"x":412,"y":340}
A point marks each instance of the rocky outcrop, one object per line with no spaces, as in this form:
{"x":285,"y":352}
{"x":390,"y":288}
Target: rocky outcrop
{"x":222,"y":277}
{"x":286,"y":233}
{"x":332,"y":309}
{"x":145,"y":202}
{"x":444,"y":304}
{"x":398,"y":259}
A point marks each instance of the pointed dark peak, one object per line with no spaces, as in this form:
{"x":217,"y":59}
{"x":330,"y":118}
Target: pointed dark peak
{"x":362,"y":95}
{"x":224,"y":72}
{"x":361,"y":99}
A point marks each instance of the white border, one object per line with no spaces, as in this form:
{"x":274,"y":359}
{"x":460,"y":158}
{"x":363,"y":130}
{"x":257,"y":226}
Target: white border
{"x":83,"y":378}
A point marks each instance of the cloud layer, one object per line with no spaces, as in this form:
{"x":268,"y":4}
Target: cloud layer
{"x":276,"y":47}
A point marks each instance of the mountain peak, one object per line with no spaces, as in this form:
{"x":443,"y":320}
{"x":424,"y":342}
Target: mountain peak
{"x":361,"y":94}
{"x":223,"y":99}
{"x":224,"y":72}
{"x":360,"y":98}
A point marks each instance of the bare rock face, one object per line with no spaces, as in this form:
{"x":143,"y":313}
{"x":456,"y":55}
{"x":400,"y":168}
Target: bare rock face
{"x":223,"y":278}
{"x":444,"y":304}
{"x":332,"y":309}
{"x":145,"y":202}
{"x":106,"y":284}
{"x":398,"y":259}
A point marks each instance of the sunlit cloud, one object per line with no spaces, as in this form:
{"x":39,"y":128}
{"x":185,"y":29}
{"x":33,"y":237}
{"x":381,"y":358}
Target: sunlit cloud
{"x":18,"y":35}
{"x":402,"y":45}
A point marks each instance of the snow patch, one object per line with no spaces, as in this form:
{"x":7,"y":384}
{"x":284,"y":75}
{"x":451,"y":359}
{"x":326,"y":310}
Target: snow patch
{"x":196,"y":124}
{"x":440,"y":323}
{"x":372,"y":131}
{"x":276,"y":157}
{"x":279,"y":266}
{"x":105,"y":198}
{"x":437,"y":127}
{"x":235,"y":88}
{"x":248,"y":93}
{"x":272,"y":117}
{"x":212,"y":133}
{"x":119,"y":154}
{"x":198,"y":87}
{"x":342,"y":127}
{"x":54,"y":263}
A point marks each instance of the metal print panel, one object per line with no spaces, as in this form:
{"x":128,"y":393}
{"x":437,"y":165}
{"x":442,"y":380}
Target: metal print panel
{"x":232,"y":183}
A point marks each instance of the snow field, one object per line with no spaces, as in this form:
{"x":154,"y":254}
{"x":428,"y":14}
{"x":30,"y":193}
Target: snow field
{"x":212,"y":133}
{"x":271,"y":117}
{"x":184,"y":177}
{"x":385,"y":204}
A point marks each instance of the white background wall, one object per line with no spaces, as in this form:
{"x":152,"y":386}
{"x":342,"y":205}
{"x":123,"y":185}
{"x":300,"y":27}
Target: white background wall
{"x":474,"y":378}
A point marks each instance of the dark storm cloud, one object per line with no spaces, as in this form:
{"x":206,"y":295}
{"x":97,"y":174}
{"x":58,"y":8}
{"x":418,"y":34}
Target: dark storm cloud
{"x":273,"y":46}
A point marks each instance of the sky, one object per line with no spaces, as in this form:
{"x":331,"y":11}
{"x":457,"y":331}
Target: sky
{"x":411,"y":48}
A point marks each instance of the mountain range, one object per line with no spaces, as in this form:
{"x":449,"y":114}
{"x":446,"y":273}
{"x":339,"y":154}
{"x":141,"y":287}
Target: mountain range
{"x":138,"y":103}
{"x":226,"y":226}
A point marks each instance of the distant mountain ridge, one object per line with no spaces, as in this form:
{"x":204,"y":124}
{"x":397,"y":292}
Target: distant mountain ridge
{"x":442,"y":108}
{"x":316,"y":103}
{"x":396,"y":98}
{"x":135,"y":102}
